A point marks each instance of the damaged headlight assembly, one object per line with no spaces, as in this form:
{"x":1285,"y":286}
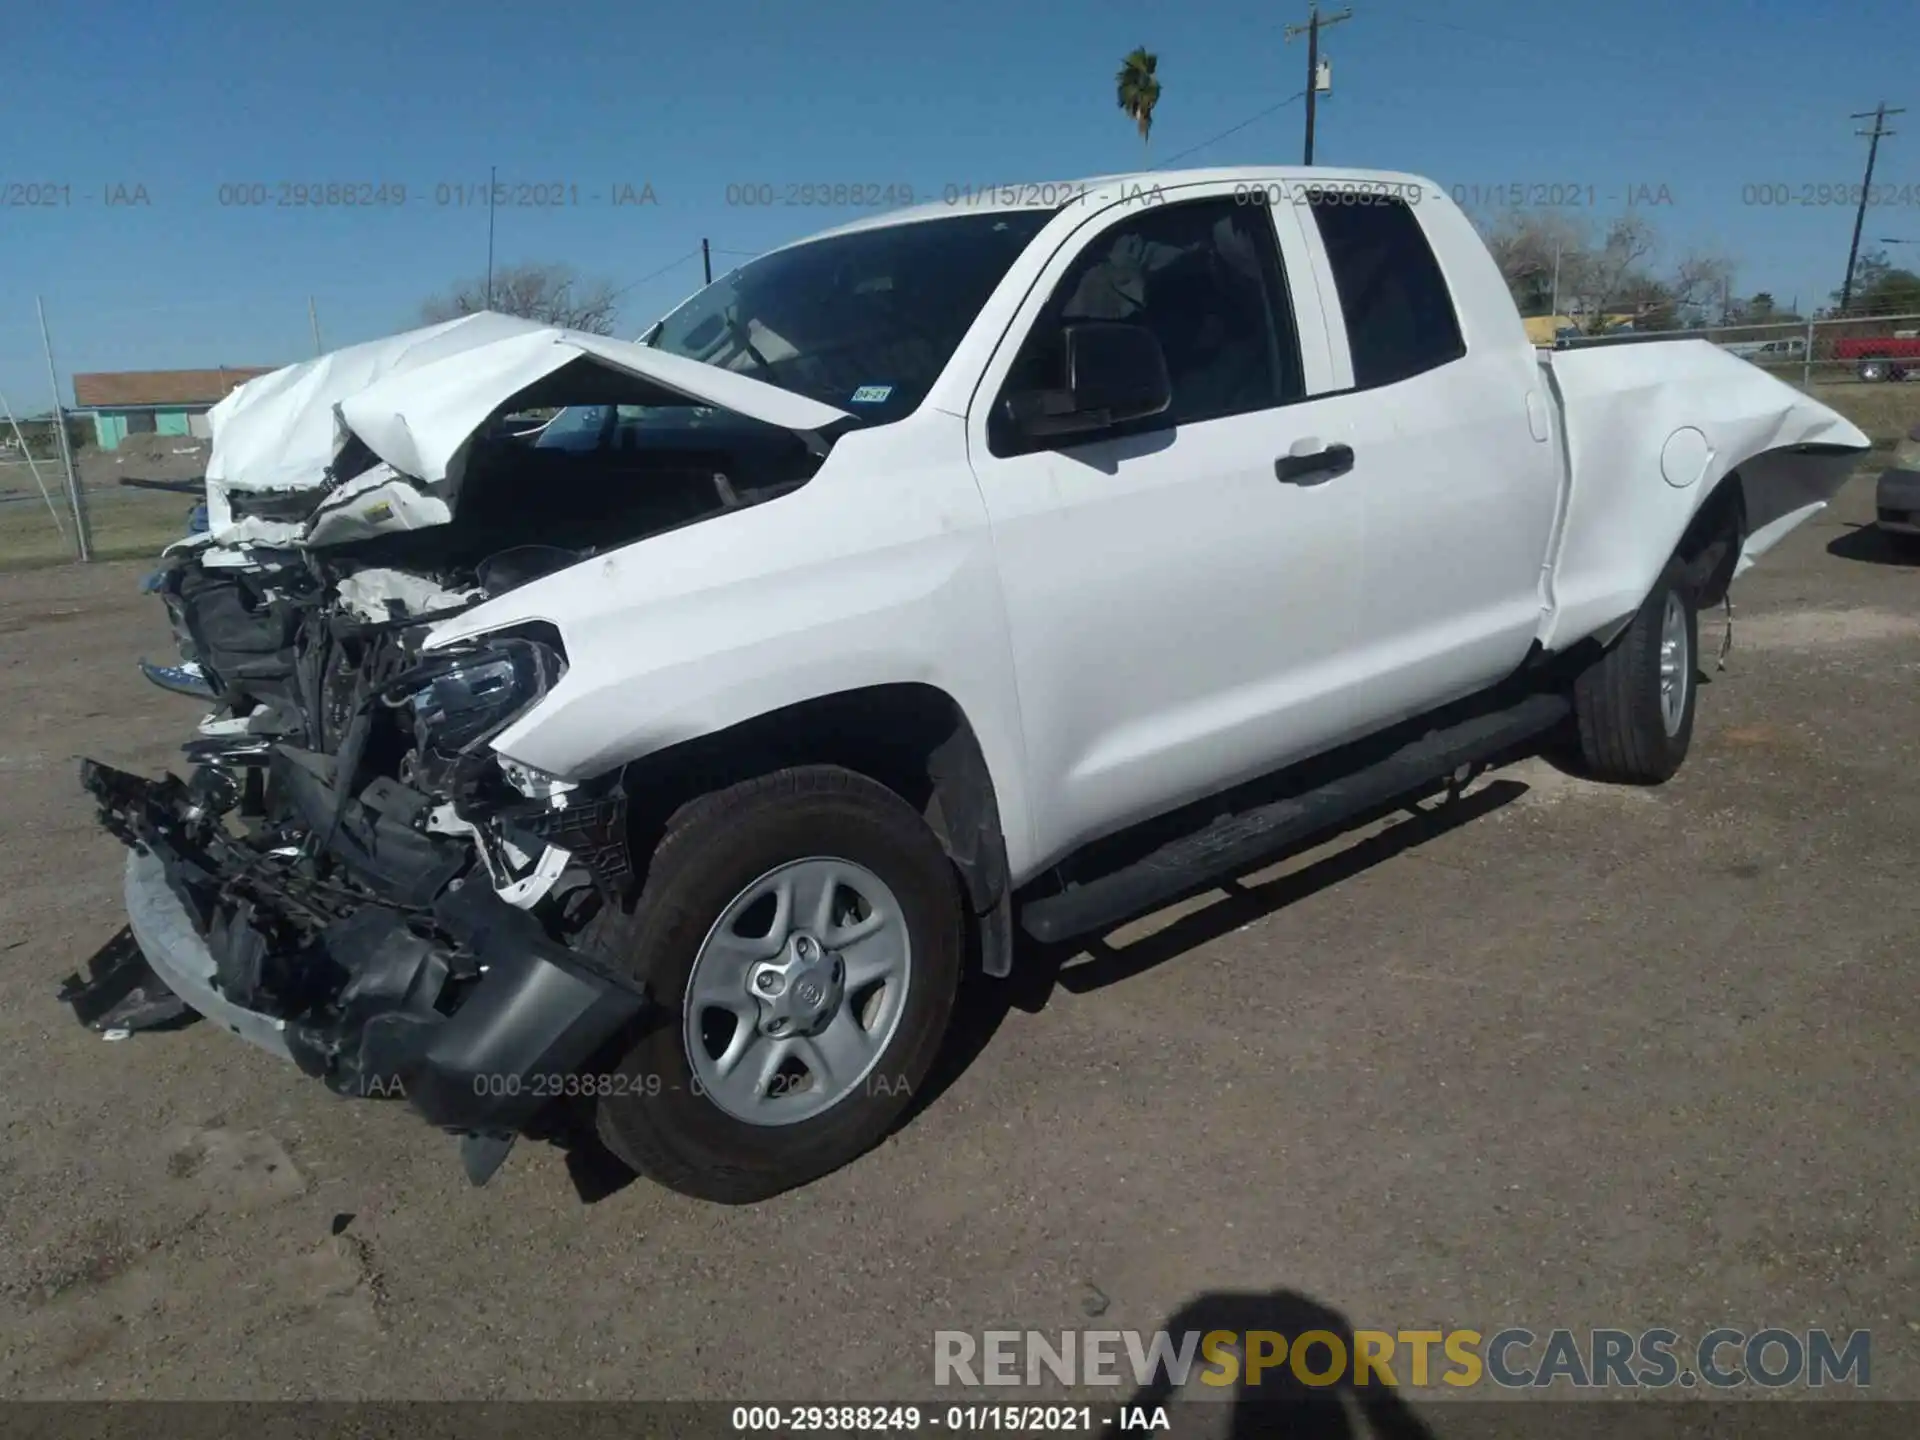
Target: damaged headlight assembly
{"x":465,"y":695}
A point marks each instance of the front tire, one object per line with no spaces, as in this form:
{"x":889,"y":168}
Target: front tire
{"x":1634,"y":706}
{"x":803,"y":933}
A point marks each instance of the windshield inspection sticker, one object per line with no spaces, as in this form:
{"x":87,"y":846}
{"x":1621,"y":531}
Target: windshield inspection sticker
{"x":871,"y":395}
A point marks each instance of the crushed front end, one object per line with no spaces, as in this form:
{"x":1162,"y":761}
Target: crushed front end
{"x":350,"y":876}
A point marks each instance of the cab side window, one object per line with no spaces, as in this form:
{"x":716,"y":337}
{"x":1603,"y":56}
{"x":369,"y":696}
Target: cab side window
{"x":1399,"y":312}
{"x":1205,"y":277}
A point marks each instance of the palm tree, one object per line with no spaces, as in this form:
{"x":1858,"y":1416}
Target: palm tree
{"x":1139,"y":91}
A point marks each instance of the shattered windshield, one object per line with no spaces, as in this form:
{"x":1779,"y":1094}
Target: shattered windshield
{"x":863,"y":321}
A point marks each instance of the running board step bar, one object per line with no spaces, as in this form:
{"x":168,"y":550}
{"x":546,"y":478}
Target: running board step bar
{"x":1235,"y":844}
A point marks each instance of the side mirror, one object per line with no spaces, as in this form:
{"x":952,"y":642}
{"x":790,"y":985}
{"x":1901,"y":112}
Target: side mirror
{"x":1114,"y":372}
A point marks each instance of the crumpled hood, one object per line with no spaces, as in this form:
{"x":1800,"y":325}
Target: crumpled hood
{"x":420,"y":420}
{"x":280,"y":431}
{"x":416,"y":400}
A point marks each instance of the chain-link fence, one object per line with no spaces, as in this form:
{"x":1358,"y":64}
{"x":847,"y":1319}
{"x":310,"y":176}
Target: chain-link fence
{"x":1863,"y":349}
{"x":37,"y":517}
{"x":110,"y":505}
{"x":1865,"y":366}
{"x":29,"y":477}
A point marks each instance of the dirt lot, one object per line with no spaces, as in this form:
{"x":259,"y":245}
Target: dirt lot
{"x":1565,"y":1057}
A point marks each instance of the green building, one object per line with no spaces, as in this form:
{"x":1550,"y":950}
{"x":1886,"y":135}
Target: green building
{"x":154,"y":402}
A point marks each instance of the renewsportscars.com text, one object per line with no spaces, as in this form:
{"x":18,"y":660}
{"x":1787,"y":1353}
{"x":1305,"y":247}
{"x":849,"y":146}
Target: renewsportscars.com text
{"x":1513,"y":1358}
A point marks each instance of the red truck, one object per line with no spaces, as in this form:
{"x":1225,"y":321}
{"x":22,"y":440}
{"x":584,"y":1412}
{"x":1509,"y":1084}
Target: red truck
{"x":1881,"y":357}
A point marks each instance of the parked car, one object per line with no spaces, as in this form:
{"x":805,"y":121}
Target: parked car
{"x":1769,"y":352}
{"x":1897,"y":495}
{"x":1880,"y":357}
{"x":959,"y":572}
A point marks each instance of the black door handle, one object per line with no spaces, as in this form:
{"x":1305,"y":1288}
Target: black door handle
{"x":1320,"y":465}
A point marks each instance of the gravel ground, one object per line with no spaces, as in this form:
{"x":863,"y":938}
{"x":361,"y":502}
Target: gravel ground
{"x":1563,"y":1056}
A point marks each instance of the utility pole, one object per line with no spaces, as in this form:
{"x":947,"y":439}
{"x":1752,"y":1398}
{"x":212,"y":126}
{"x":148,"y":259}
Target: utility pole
{"x":313,"y":319}
{"x":1315,"y":22}
{"x":83,"y":538}
{"x":1879,"y":116}
{"x":706,"y":260}
{"x":493,"y":184}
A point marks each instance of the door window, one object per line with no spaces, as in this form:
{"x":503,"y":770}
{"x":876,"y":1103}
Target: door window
{"x":1205,"y":277}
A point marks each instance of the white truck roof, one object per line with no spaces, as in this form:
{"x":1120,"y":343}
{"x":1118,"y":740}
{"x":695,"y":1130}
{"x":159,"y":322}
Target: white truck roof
{"x":979,"y":198}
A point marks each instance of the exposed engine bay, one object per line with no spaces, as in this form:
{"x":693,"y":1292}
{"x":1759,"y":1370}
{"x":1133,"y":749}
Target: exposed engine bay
{"x":368,"y":877}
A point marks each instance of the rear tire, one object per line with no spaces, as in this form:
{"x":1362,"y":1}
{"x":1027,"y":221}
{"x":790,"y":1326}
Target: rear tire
{"x":1633,"y":708}
{"x":818,"y":830}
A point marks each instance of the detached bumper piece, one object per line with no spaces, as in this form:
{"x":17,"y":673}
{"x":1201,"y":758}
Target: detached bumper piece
{"x":533,"y":1015}
{"x":382,"y":972}
{"x":120,"y":992}
{"x":186,"y":678}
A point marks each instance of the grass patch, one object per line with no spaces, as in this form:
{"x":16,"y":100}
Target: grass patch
{"x":1886,"y":411}
{"x":127,"y":524}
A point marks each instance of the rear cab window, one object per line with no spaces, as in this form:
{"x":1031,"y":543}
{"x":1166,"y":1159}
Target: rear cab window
{"x":1399,"y":313}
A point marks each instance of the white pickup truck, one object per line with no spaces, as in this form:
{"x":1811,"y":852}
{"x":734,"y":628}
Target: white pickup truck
{"x":982,"y":568}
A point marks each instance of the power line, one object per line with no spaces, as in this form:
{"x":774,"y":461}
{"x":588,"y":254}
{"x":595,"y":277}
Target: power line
{"x":1233,"y":130}
{"x":1558,"y":50}
{"x":655,"y":274}
{"x":1479,"y":34}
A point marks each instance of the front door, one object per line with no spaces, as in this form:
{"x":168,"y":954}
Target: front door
{"x":1180,"y":591}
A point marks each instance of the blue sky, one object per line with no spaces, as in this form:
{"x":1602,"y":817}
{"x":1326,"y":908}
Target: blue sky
{"x":1703,"y":98}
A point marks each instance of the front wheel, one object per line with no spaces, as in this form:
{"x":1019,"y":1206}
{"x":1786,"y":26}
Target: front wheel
{"x":804,"y":930}
{"x":1633,"y":707}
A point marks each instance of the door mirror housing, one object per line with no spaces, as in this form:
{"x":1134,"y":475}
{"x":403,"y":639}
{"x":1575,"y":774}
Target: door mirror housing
{"x":1115,"y":372}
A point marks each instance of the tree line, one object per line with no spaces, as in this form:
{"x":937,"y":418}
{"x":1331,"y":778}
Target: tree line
{"x":1601,"y":275}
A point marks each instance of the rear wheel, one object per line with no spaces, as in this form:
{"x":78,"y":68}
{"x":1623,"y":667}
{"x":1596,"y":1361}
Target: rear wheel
{"x":803,"y":933}
{"x":1634,"y":706}
{"x":1872,"y":370}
